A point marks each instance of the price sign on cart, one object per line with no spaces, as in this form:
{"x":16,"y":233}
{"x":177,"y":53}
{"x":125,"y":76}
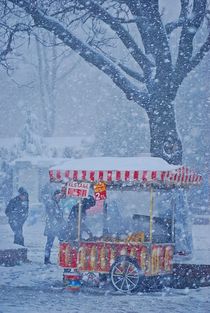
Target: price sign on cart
{"x":78,"y":190}
{"x":100,"y":191}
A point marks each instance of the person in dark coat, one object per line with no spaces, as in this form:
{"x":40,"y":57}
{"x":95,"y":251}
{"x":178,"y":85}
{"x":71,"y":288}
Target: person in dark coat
{"x":54,"y":223}
{"x":17,"y":213}
{"x":72,"y":223}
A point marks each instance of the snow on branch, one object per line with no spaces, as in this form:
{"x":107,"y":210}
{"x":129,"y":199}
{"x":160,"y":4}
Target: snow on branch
{"x":132,"y":73}
{"x":129,"y":71}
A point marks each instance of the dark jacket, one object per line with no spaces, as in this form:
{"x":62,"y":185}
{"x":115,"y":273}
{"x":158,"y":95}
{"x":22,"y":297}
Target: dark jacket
{"x":17,"y":210}
{"x":72,"y":223}
{"x":54,"y":218}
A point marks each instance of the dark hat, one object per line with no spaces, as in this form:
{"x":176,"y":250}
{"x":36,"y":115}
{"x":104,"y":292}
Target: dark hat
{"x":22,"y":191}
{"x":91,"y":201}
{"x":88,"y":202}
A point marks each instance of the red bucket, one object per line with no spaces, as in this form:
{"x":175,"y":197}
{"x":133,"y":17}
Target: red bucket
{"x":72,"y":281}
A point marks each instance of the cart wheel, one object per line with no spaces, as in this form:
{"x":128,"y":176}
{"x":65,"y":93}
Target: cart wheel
{"x":126,"y":274}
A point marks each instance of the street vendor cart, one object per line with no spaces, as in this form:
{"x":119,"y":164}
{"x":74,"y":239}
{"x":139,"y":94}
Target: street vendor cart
{"x":139,"y":253}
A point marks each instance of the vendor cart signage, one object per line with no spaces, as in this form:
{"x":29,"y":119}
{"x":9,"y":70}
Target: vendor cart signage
{"x":79,"y":190}
{"x":100,"y":191}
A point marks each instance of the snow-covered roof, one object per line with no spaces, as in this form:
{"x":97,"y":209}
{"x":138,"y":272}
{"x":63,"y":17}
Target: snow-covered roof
{"x":116,"y":164}
{"x":145,"y":170}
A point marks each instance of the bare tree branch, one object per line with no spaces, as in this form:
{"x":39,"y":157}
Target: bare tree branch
{"x":174,"y":25}
{"x":85,"y":51}
{"x":200,"y":55}
{"x":188,"y":33}
{"x":9,"y":35}
{"x":183,"y":17}
{"x":132,"y":73}
{"x":125,"y":37}
{"x":8,"y":48}
{"x":184,"y":9}
{"x":154,"y":37}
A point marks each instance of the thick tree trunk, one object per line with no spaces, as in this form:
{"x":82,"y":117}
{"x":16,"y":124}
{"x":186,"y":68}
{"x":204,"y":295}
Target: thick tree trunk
{"x":165,"y":141}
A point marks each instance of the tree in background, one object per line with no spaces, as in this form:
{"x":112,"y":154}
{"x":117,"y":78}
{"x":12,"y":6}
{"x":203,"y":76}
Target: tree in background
{"x":14,"y":28}
{"x":6,"y":186}
{"x":31,"y":142}
{"x":15,"y":31}
{"x":51,"y":57}
{"x":47,"y":72}
{"x":148,"y":73}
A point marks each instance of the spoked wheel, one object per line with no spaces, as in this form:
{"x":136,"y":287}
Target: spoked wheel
{"x":126,"y":274}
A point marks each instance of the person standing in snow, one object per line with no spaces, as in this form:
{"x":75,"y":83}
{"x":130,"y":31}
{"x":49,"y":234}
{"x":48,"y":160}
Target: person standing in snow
{"x":72,"y":223}
{"x":17,"y":213}
{"x":54,"y":222}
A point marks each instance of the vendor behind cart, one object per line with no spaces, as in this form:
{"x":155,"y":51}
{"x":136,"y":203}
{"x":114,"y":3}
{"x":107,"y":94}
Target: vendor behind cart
{"x":72,"y":223}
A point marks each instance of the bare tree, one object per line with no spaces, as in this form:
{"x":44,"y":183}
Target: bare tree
{"x":15,"y":28}
{"x":149,"y":74}
{"x":47,"y":71}
{"x":50,"y":58}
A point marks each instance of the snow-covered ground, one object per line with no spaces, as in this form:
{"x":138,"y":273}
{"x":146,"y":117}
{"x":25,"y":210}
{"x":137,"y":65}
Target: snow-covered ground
{"x":35,"y":287}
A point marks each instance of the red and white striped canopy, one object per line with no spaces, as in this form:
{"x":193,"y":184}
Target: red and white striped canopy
{"x":134,"y":170}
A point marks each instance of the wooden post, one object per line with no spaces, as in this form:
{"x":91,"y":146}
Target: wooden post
{"x":105,"y":230}
{"x":151,"y":214}
{"x":173,"y":204}
{"x":79,"y":220}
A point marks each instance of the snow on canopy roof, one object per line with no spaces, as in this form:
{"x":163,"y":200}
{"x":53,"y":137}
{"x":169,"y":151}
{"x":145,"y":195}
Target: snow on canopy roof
{"x":116,"y":163}
{"x":111,"y":170}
